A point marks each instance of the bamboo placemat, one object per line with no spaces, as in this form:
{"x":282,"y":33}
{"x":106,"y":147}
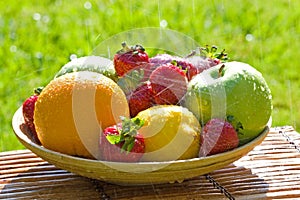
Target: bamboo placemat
{"x":270,"y":171}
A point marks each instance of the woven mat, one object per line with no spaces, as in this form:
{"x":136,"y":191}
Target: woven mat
{"x":270,"y":171}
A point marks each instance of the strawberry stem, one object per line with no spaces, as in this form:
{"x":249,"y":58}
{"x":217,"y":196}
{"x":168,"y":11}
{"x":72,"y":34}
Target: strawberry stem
{"x":125,"y":48}
{"x":193,"y":53}
{"x":220,"y":73}
{"x":135,"y":49}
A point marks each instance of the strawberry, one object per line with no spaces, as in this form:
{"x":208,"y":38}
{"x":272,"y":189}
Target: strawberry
{"x":169,"y":84}
{"x":140,"y":99}
{"x":161,"y":59}
{"x":218,"y":135}
{"x":122,"y":142}
{"x":138,"y":92}
{"x":129,"y":58}
{"x":28,"y":111}
{"x":190,"y":69}
{"x":206,"y":57}
{"x":129,"y":82}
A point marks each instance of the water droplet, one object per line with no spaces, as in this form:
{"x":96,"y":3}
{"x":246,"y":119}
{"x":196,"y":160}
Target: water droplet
{"x":207,"y":23}
{"x":13,"y":35}
{"x":249,"y":37}
{"x":110,"y":11}
{"x":46,"y":19}
{"x":254,"y":86}
{"x":36,"y":16}
{"x":13,"y":48}
{"x":88,"y":22}
{"x":262,"y":88}
{"x":73,"y":56}
{"x":163,"y":23}
{"x":180,"y":181}
{"x":87,"y":5}
{"x":38,"y":55}
{"x":58,"y":2}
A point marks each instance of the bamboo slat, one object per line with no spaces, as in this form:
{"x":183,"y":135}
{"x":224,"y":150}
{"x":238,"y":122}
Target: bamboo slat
{"x":270,"y":171}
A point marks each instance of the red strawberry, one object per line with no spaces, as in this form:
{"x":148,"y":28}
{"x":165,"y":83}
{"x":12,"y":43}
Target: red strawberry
{"x":140,"y":99}
{"x":130,"y":58}
{"x":190,"y":69}
{"x":28,"y":111}
{"x":161,"y":59}
{"x":122,"y":142}
{"x":206,"y":57}
{"x":218,"y":136}
{"x":169,"y":84}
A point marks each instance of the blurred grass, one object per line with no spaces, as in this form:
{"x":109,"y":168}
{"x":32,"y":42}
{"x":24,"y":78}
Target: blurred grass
{"x":38,"y":37}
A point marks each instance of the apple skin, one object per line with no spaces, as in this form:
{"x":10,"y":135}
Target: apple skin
{"x":89,"y":63}
{"x":238,"y":93}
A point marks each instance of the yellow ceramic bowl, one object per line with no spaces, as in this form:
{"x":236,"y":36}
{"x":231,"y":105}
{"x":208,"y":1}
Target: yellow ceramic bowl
{"x":133,"y":173}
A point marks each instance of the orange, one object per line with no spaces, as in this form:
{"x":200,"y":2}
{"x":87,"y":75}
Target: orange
{"x":73,"y":109}
{"x":170,"y":132}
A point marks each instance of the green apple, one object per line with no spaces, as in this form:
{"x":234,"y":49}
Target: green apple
{"x":90,"y":63}
{"x":234,"y":91}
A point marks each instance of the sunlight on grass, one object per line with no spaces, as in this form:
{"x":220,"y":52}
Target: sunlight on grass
{"x":38,"y":37}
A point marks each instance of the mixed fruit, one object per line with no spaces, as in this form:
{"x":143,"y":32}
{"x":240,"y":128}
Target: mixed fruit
{"x":165,"y":101}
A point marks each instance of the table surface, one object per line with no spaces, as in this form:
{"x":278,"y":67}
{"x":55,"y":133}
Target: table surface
{"x":270,"y":171}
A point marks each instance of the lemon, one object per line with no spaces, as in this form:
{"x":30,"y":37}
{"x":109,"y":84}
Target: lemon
{"x":170,"y":132}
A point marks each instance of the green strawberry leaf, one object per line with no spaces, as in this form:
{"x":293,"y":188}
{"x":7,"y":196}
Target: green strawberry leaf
{"x":113,"y":139}
{"x":130,"y":126}
{"x":129,"y":131}
{"x":236,"y":124}
{"x":128,"y":144}
{"x":175,"y":63}
{"x":38,"y":90}
{"x":211,"y":52}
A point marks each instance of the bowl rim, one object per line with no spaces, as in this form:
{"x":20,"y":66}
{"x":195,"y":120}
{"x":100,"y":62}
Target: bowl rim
{"x":17,"y":118}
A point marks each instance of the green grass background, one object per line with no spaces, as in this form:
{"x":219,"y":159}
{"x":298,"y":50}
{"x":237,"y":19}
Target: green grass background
{"x":38,"y":37}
